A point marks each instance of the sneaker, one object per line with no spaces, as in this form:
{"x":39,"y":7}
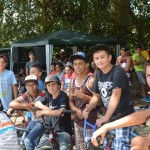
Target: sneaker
{"x":146,"y":99}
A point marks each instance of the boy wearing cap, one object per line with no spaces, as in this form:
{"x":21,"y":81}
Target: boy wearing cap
{"x":31,"y":62}
{"x":57,"y":101}
{"x":111,"y":82}
{"x":79,"y":95}
{"x":7,"y":84}
{"x":27,"y":101}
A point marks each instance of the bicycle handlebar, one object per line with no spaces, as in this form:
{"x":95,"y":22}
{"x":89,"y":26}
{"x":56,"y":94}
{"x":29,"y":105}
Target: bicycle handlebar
{"x":69,"y":111}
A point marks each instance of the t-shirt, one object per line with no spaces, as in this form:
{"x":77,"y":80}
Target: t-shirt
{"x":81,"y":103}
{"x":29,"y":64}
{"x":7,"y":79}
{"x":26,"y":98}
{"x":8,"y":134}
{"x":139,"y":67}
{"x":104,"y":85}
{"x":62,"y":101}
{"x":66,"y":79}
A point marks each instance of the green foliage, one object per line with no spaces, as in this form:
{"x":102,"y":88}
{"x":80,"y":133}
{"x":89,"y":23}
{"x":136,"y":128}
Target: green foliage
{"x":127,"y":20}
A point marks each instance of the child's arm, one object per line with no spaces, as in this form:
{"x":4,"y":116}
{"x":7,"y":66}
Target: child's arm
{"x":17,"y":104}
{"x":44,"y":110}
{"x":136,"y":118}
{"x":15,"y":90}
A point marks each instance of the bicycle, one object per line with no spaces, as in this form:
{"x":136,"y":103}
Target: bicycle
{"x":52,"y":143}
{"x":110,"y":137}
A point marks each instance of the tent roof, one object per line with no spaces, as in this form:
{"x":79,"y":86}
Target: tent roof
{"x":65,"y":38}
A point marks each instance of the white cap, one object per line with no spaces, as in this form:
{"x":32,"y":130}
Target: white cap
{"x":31,"y":78}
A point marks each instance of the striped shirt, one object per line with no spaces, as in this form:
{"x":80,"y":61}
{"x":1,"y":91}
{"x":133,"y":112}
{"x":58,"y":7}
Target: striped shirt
{"x":8,"y":134}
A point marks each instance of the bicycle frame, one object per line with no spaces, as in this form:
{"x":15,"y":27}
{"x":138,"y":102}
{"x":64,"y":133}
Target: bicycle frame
{"x":86,"y":123}
{"x":17,"y":123}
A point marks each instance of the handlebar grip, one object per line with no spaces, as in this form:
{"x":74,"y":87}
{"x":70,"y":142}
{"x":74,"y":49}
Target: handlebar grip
{"x":98,"y":140}
{"x":69,"y":111}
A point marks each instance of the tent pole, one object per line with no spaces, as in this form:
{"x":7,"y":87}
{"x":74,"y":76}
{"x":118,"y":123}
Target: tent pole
{"x":49,"y":55}
{"x":117,"y":50}
{"x":74,"y":49}
{"x":11,"y":59}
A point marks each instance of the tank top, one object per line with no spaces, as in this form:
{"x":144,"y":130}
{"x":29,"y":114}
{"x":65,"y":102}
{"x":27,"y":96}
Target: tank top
{"x":81,"y":104}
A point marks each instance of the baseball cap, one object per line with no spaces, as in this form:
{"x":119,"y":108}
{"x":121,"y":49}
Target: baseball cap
{"x":69,"y":64}
{"x":99,"y":47}
{"x":52,"y":78}
{"x":31,"y":78}
{"x":78,"y":55}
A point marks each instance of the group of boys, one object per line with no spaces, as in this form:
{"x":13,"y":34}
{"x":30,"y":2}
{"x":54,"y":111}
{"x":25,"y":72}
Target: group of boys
{"x":110,"y":86}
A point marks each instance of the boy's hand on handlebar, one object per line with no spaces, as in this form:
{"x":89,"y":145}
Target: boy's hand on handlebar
{"x":86,"y":111}
{"x":79,"y":113}
{"x":10,"y":111}
{"x":99,"y":135}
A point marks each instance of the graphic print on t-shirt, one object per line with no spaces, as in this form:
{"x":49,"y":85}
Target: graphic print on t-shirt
{"x":105,"y":89}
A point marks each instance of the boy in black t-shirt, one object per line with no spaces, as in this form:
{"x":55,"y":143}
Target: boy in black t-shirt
{"x":57,"y":101}
{"x":111,"y":82}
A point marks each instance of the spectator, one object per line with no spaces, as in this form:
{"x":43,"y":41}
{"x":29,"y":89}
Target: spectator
{"x":89,"y":70}
{"x":57,"y":101}
{"x":137,"y":118}
{"x":37,"y":71}
{"x":67,"y":77}
{"x":125,"y":61}
{"x":59,"y":70}
{"x":53,"y":68}
{"x":79,"y":95}
{"x":112,"y":84}
{"x":138,"y":61}
{"x":31,"y":62}
{"x":8,"y":87}
{"x":27,"y":101}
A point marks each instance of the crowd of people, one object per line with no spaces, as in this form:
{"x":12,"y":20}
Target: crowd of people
{"x":85,"y":87}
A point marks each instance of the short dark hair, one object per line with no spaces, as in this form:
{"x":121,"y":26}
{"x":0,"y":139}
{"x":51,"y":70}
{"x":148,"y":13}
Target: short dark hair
{"x":31,"y":52}
{"x":147,"y":63}
{"x":53,"y":64}
{"x":124,"y":49}
{"x":38,"y":66}
{"x":60,"y":65}
{"x":139,"y":46}
{"x":4,"y":57}
{"x":100,"y":47}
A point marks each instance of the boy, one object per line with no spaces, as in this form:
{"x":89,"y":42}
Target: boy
{"x":79,"y":95}
{"x":111,"y":82}
{"x":37,"y":71}
{"x":57,"y":101}
{"x":31,"y":62}
{"x":27,"y":101}
{"x":7,"y":84}
{"x":137,"y":118}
